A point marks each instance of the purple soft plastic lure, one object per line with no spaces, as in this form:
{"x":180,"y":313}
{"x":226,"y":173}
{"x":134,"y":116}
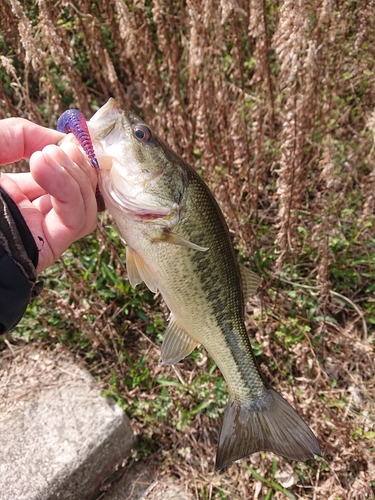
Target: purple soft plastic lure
{"x":74,"y":121}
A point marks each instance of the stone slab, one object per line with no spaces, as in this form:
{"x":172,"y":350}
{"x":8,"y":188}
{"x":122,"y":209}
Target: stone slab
{"x":58,"y":436}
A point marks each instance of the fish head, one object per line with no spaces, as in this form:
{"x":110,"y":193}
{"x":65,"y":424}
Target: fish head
{"x":139,"y":174}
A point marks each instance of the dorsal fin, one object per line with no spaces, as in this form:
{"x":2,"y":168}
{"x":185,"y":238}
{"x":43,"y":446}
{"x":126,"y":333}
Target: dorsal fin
{"x":177,"y":343}
{"x":250,"y":282}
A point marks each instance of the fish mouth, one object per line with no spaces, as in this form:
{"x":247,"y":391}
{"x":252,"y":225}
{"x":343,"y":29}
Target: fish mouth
{"x":109,"y":123}
{"x":112,"y":112}
{"x":109,"y":111}
{"x":133,"y":204}
{"x":138,"y":211}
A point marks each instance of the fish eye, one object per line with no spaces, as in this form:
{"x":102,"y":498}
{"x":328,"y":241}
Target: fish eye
{"x":142,"y":133}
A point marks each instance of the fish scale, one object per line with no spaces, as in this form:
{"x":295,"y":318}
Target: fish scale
{"x":178,"y":242}
{"x":219,"y":277}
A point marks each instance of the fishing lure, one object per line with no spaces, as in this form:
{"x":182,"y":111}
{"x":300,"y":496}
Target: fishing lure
{"x":74,"y":121}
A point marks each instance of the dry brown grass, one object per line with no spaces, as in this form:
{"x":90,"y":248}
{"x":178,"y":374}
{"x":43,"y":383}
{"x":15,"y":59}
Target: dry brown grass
{"x":274,"y":104}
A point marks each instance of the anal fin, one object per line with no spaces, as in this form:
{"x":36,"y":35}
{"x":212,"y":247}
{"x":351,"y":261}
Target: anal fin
{"x":177,"y":343}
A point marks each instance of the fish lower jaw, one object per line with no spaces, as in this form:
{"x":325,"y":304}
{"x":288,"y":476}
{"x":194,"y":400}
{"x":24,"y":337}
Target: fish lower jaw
{"x":134,"y":213}
{"x":133,"y":208}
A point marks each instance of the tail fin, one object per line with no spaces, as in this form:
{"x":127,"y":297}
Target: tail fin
{"x":268,"y":423}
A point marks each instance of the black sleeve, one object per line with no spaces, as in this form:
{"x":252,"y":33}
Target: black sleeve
{"x":18,"y":262}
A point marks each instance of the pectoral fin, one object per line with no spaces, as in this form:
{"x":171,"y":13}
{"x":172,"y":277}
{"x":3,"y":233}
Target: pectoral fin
{"x":139,"y":271}
{"x":133,"y":275}
{"x":250,"y":282}
{"x":176,"y":239}
{"x":177,"y":343}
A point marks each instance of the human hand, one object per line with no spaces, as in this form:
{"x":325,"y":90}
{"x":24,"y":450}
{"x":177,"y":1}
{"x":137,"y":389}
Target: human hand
{"x":57,"y":196}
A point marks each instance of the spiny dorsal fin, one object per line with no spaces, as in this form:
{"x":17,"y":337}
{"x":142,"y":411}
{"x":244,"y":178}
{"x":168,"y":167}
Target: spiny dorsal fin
{"x":177,"y":343}
{"x":250,"y":282}
{"x":138,"y":271}
{"x":266,"y":423}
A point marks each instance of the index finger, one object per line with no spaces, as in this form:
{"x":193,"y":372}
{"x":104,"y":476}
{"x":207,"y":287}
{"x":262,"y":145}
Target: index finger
{"x":20,"y":138}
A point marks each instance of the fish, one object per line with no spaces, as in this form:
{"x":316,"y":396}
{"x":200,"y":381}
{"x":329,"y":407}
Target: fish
{"x":178,"y":243}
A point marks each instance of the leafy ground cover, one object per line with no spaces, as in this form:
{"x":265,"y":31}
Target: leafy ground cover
{"x":273,"y":104}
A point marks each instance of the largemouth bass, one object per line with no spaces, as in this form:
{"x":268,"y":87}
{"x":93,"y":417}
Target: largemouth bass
{"x":178,"y":242}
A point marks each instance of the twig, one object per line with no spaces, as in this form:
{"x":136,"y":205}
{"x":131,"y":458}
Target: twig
{"x":355,"y":307}
{"x":272,"y":484}
{"x":178,"y":375}
{"x":149,"y":489}
{"x":348,"y":407}
{"x":10,"y":347}
{"x":337,"y":295}
{"x":316,"y":482}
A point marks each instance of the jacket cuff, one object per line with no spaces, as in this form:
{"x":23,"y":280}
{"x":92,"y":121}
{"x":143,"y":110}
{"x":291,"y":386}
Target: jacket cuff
{"x":18,"y":262}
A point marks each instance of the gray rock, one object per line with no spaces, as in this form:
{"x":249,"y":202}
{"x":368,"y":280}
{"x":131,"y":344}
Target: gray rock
{"x":58,"y":436}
